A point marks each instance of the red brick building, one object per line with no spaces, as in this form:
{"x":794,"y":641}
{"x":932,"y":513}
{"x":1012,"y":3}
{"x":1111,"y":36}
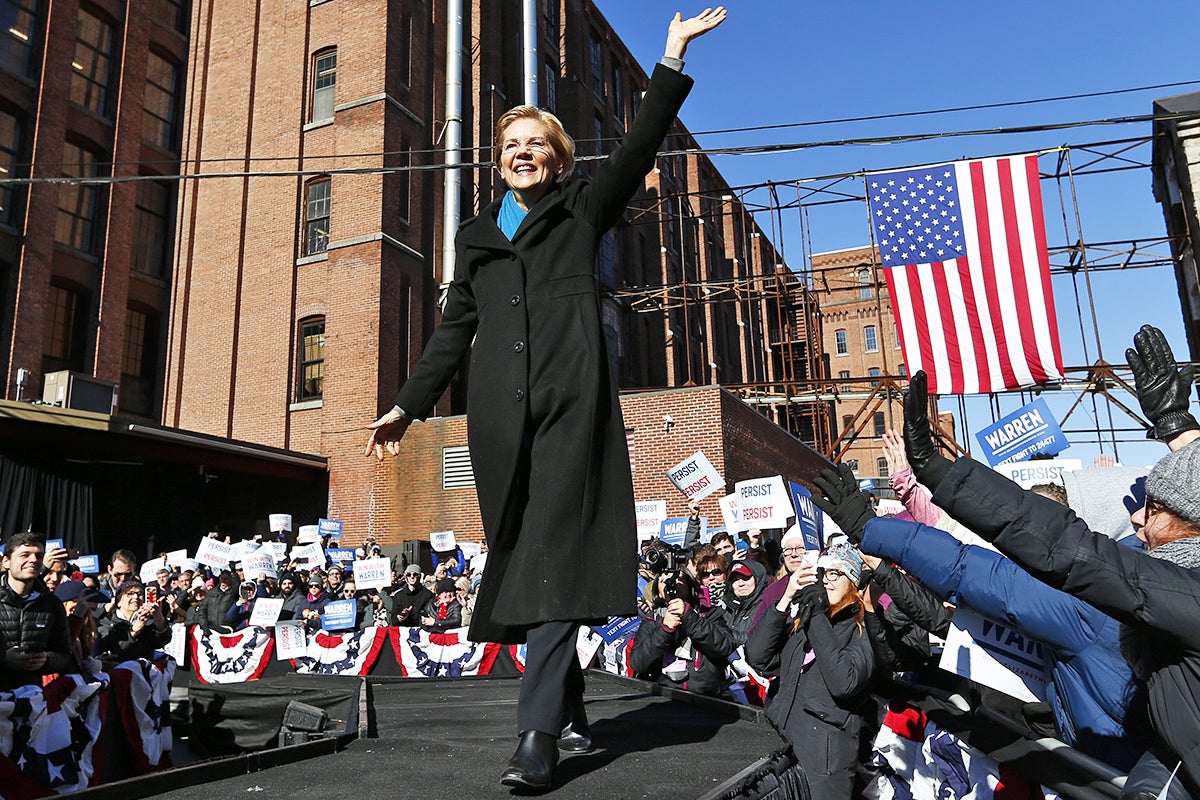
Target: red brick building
{"x":310,"y":254}
{"x":89,"y":90}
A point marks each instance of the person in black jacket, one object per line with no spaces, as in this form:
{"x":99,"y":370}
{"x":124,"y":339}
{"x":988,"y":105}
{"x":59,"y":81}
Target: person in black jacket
{"x":34,"y":636}
{"x":211,"y":613}
{"x":546,"y":434}
{"x":814,"y":639}
{"x":443,"y":612}
{"x":410,"y":598}
{"x":1154,"y":594}
{"x":135,"y":629}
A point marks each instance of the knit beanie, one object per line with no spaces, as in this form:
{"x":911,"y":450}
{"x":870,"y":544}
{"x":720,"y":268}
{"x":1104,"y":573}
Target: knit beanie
{"x":1175,"y":482}
{"x":844,"y":557}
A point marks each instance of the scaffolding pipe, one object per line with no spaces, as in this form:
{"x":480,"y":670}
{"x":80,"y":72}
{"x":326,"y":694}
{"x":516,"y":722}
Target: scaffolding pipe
{"x":452,"y":184}
{"x":529,"y":51}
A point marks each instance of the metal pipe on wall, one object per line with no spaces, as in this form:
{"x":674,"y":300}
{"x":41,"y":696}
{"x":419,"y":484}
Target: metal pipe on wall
{"x":529,"y":51}
{"x":452,"y":183}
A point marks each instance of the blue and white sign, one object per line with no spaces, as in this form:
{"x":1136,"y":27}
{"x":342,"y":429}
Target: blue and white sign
{"x":617,"y":627}
{"x":329,"y":527}
{"x":673,"y":530}
{"x":88,"y":565}
{"x":808,"y":516}
{"x":339,"y":615}
{"x":339,"y":555}
{"x":1028,"y":430}
{"x":53,"y":543}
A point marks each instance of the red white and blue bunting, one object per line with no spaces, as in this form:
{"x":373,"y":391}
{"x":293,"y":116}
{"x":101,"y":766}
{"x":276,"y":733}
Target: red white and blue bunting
{"x":231,"y":658}
{"x":348,"y":653}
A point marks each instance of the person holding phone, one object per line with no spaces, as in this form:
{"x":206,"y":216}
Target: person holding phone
{"x":34,"y":636}
{"x":135,"y":629}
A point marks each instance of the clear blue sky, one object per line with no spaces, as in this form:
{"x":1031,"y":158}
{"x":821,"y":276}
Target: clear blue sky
{"x":782,"y":61}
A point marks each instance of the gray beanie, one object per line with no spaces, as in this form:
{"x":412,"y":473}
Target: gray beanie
{"x":1175,"y":482}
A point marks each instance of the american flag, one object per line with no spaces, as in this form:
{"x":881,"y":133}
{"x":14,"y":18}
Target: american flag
{"x":964,"y":251}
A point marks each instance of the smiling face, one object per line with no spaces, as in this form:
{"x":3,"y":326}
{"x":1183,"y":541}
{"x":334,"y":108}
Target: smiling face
{"x":526,"y":161}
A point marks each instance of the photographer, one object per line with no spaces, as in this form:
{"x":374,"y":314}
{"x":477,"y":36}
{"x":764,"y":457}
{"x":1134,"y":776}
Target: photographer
{"x":683,"y":641}
{"x":238,"y":616}
{"x":376,"y":607}
{"x":135,"y":629}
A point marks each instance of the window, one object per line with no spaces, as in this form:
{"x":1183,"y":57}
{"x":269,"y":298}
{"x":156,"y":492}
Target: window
{"x":92,"y":64}
{"x":839,"y":342}
{"x":596,"y":59}
{"x":881,"y":467}
{"x":64,"y":330}
{"x":618,"y":91}
{"x":844,"y":374}
{"x":312,"y":359}
{"x":550,"y":18}
{"x":324,"y":85}
{"x":896,"y":335}
{"x":17,"y":23}
{"x":78,"y":204}
{"x":137,"y":373}
{"x":152,"y":228}
{"x":10,"y":148}
{"x":162,"y":103}
{"x":873,"y":372}
{"x":404,"y":195}
{"x":635,"y":101}
{"x":598,"y":134}
{"x":864,"y":285}
{"x":172,"y":13}
{"x":880,"y":425}
{"x":551,"y":91}
{"x":853,"y":465}
{"x":405,"y":61}
{"x":870,"y":338}
{"x":848,"y":426}
{"x":456,"y":468}
{"x":316,"y":217}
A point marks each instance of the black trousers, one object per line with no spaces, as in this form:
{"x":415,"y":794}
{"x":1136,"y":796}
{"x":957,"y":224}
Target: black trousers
{"x":553,"y":680}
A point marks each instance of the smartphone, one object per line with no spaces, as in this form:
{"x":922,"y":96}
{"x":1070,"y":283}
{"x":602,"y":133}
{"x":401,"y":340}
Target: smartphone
{"x":151,"y":594}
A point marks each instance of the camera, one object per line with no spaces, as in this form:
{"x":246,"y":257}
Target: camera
{"x":248,"y":592}
{"x":669,"y":562}
{"x":665,"y":558}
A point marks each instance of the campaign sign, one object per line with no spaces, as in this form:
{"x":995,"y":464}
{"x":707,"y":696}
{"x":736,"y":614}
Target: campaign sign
{"x":442,"y":541}
{"x":696,"y":477}
{"x":176,"y":558}
{"x":373,"y":573}
{"x":729,"y":512}
{"x":617,"y":627}
{"x":291,"y":640}
{"x":650,"y":515}
{"x":339,"y":615}
{"x":215,"y":554}
{"x":149,"y":571}
{"x":995,"y":655}
{"x":266,"y":612}
{"x":340,"y":555}
{"x":309,"y":555}
{"x":177,"y":644}
{"x":278,"y":549}
{"x":279,"y":522}
{"x":763,"y":503}
{"x":53,"y":543}
{"x":1028,"y":430}
{"x":470,"y":550}
{"x":587,"y":644}
{"x":260,"y":562}
{"x":329,"y":527}
{"x":88,"y":565}
{"x":1031,"y":473}
{"x":308,"y":533}
{"x":808,"y":516}
{"x":244,"y":548}
{"x":673,"y":530}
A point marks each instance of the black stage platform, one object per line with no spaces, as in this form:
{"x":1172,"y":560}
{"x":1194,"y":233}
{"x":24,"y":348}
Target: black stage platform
{"x":433,"y":739}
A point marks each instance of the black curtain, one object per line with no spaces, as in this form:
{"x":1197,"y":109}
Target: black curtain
{"x":35,"y":499}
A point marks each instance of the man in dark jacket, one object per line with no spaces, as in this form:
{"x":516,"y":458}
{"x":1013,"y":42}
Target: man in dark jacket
{"x":33,"y":625}
{"x":1154,"y":594}
{"x":216,"y":604}
{"x":410,"y":598}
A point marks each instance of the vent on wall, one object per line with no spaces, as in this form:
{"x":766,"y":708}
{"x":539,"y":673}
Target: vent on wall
{"x":456,"y":468}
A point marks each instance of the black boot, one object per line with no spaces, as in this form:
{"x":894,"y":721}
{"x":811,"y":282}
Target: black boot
{"x":576,"y":736}
{"x":532,"y":767}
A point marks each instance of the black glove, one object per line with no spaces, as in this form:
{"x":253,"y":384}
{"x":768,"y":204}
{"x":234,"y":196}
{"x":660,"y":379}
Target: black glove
{"x":844,"y":502}
{"x":812,"y":600}
{"x":927,"y":463}
{"x":1164,"y":391}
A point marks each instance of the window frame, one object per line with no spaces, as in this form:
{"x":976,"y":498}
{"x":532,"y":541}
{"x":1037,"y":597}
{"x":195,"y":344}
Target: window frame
{"x":306,"y":329}
{"x":311,"y":219}
{"x":166,"y":128}
{"x":870,"y":339}
{"x":97,"y":101}
{"x":324,"y":97}
{"x":841,"y":343}
{"x":25,"y":39}
{"x":85,"y":218}
{"x":10,"y":157}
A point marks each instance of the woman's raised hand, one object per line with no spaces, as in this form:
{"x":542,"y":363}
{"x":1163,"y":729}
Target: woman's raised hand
{"x":682,"y":31}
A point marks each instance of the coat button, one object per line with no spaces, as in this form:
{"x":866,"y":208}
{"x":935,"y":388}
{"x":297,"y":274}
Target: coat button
{"x":515,"y":301}
{"x":512,"y":256}
{"x":518,"y":347}
{"x":519,"y":395}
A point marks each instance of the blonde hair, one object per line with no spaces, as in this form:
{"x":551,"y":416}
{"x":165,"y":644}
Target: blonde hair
{"x":562,"y":145}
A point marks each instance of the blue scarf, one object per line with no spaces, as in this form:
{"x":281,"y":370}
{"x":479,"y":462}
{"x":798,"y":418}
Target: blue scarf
{"x":511,"y":215}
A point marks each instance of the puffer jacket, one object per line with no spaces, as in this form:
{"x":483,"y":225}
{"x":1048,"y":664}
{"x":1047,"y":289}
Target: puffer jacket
{"x":741,"y":611}
{"x":1155,"y":598}
{"x":39,"y":624}
{"x":1091,"y":689}
{"x":653,"y":653}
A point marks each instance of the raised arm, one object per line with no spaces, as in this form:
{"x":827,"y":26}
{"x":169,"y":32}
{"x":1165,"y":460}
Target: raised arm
{"x":682,"y":31}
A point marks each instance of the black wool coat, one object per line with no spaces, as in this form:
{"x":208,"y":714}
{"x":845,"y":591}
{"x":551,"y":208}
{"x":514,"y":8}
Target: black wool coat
{"x":544,"y":424}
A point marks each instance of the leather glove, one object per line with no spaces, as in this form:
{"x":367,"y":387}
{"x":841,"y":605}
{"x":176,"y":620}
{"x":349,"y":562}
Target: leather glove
{"x":844,"y":502}
{"x":1164,"y":391}
{"x":918,"y":441}
{"x":812,"y":600}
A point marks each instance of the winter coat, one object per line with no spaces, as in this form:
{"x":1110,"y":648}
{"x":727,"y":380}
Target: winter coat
{"x":452,"y":618}
{"x":214,"y":607}
{"x":900,"y":631}
{"x":545,"y":430}
{"x":740,"y":611}
{"x":820,"y":706}
{"x":712,"y":643}
{"x":407,"y":605}
{"x":291,"y":604}
{"x":115,"y":637}
{"x":1091,"y":686}
{"x":1155,"y":599}
{"x":39,"y":625}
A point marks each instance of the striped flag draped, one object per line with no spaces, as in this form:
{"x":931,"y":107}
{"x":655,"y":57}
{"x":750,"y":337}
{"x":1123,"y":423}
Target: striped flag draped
{"x":964,"y":251}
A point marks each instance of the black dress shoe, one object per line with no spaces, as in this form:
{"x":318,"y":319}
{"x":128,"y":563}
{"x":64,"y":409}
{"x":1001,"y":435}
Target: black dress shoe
{"x":576,"y":736}
{"x":532,"y":767}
